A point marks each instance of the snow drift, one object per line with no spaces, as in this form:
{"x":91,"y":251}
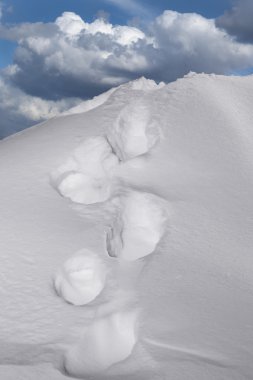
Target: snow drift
{"x":161,"y":169}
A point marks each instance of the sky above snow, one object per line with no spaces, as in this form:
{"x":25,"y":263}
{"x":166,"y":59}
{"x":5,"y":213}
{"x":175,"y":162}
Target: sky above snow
{"x":55,"y":53}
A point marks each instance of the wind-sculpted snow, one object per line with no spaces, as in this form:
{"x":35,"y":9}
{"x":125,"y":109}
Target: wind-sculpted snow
{"x":107,"y":341}
{"x":81,"y":278}
{"x":134,"y":132}
{"x":138,"y":227}
{"x":85,"y":177}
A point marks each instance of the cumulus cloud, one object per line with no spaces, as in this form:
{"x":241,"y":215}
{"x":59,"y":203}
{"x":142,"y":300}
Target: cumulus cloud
{"x":238,"y":21}
{"x":19,"y":110}
{"x":71,"y":58}
{"x":74,"y":58}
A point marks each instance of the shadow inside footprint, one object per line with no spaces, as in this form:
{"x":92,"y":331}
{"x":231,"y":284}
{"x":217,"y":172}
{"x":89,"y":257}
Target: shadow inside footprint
{"x":86,"y":176}
{"x":138,"y":227}
{"x":134,"y":132}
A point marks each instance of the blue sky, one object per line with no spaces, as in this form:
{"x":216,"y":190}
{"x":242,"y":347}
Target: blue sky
{"x":56,"y":53}
{"x":47,"y":10}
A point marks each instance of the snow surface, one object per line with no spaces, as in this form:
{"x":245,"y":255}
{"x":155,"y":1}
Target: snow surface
{"x":184,"y":312}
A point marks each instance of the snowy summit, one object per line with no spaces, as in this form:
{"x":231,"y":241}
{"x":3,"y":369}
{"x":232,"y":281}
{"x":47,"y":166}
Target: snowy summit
{"x":126,"y":235}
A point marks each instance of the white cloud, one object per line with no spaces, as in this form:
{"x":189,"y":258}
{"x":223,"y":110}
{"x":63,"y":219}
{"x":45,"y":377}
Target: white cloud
{"x":72,"y":25}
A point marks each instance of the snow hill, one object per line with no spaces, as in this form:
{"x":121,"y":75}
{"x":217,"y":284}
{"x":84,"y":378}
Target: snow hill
{"x":126,"y":236}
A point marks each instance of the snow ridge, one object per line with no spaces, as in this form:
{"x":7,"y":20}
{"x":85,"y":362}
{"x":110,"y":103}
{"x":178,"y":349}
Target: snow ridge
{"x":91,"y":176}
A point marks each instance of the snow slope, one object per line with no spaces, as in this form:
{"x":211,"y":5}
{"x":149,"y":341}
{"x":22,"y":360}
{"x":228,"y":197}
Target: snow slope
{"x":142,"y":221}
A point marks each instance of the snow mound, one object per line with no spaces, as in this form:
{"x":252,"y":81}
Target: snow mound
{"x":139,"y":226}
{"x":81,"y":279}
{"x":134,"y":132}
{"x":85,"y":177}
{"x":109,"y":340}
{"x":90,"y":104}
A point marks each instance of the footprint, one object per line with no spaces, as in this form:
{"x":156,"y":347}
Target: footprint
{"x":86,"y":176}
{"x":109,"y":340}
{"x":138,"y":227}
{"x":90,"y":176}
{"x":81,"y":279}
{"x":133,"y":133}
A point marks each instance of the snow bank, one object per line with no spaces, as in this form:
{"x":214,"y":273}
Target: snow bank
{"x":85,"y":177}
{"x":139,"y":226}
{"x":134,"y":132}
{"x":81,"y":279}
{"x":109,"y":340}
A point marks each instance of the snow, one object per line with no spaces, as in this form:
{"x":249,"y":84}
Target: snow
{"x":137,"y":84}
{"x":81,"y":279}
{"x":107,"y":341}
{"x":90,"y":104}
{"x":85,"y":177}
{"x":158,"y":241}
{"x":134,"y":132}
{"x":139,"y":226}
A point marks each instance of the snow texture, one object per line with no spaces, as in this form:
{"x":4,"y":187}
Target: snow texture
{"x":81,"y":279}
{"x":139,"y":226}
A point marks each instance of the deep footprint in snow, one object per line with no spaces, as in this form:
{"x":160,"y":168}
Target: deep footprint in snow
{"x":138,"y":227}
{"x":86,"y":176}
{"x":134,"y":132}
{"x":81,"y":279}
{"x":109,"y":340}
